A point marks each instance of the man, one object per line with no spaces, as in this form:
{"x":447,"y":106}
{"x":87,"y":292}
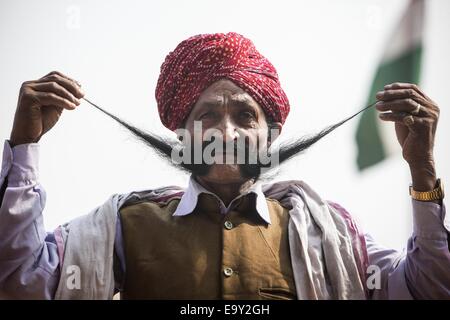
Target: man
{"x":226,"y":236}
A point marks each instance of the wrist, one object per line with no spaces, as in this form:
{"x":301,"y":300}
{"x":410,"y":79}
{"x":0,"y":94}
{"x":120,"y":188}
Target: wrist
{"x":16,"y":140}
{"x":423,"y":177}
{"x":435,"y":195}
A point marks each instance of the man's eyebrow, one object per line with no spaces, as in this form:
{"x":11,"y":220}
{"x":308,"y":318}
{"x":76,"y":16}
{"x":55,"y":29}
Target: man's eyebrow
{"x":242,"y":98}
{"x":212,"y":102}
{"x":245,"y":105}
{"x":236,"y":99}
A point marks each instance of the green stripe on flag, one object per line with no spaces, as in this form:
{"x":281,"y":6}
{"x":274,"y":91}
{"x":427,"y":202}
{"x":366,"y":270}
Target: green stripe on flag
{"x":405,"y":68}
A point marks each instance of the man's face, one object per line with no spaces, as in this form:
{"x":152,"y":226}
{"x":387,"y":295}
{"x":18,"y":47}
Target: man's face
{"x":225,"y":107}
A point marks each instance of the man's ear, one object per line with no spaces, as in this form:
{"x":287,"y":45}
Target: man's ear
{"x":277,"y":127}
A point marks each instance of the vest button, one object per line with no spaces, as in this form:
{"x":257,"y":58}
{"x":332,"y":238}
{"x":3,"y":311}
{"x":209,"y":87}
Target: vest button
{"x":228,"y":272}
{"x":228,"y":225}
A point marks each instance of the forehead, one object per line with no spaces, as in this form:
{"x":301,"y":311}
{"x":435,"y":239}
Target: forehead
{"x":225,"y":89}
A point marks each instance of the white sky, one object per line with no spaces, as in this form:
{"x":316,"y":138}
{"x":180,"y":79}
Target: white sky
{"x":325,"y":52}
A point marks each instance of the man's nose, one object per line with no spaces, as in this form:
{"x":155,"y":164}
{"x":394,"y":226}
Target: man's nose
{"x":229,"y":130}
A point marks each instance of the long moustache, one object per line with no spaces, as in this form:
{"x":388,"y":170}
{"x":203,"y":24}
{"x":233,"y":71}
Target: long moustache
{"x":286,"y":150}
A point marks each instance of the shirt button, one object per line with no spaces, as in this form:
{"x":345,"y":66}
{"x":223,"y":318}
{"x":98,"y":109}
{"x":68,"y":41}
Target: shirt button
{"x":228,"y":272}
{"x":228,"y":225}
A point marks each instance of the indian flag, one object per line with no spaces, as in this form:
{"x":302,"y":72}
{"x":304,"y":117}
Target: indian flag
{"x":400,"y":63}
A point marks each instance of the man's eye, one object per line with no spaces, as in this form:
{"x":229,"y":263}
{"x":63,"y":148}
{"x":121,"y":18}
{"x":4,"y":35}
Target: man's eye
{"x":247,"y":115}
{"x":206,"y":115}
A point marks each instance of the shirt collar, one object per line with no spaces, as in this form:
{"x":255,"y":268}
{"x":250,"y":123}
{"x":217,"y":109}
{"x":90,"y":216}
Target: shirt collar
{"x":188,"y":201}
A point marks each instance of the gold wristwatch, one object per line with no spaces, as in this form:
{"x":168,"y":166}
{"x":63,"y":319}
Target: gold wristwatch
{"x":436,"y":194}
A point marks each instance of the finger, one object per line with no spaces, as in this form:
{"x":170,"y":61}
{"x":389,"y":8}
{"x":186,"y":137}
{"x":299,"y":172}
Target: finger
{"x":402,"y":105}
{"x":52,"y":99}
{"x":56,"y":89}
{"x":403,"y":85}
{"x":393,"y":94}
{"x":71,"y":86}
{"x":402,"y":118}
{"x":393,"y":116}
{"x":62,"y":75}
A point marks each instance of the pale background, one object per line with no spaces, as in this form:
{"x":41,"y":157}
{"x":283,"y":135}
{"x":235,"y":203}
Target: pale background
{"x":325,"y":51}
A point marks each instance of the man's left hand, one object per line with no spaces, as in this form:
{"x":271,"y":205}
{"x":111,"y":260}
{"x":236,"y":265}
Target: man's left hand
{"x":415,"y":116}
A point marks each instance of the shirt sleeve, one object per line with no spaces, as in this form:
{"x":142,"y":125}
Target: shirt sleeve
{"x":421,"y":271}
{"x":29,"y":262}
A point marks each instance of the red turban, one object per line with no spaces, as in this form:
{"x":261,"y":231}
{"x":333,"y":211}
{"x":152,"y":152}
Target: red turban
{"x":203,"y":59}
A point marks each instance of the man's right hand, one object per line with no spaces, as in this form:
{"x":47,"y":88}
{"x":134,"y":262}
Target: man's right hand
{"x":40,"y":105}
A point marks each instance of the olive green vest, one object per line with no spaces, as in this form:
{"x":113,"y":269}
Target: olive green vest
{"x":206,"y":254}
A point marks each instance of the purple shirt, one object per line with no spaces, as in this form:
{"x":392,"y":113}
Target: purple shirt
{"x":29,"y":259}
